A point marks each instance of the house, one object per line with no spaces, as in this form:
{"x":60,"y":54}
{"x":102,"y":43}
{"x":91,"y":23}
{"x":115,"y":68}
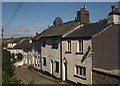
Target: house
{"x":50,"y":41}
{"x":77,"y":53}
{"x":106,"y":51}
{"x":71,"y":51}
{"x":19,"y":48}
{"x":28,"y":54}
{"x":10,"y":45}
{"x":90,"y":54}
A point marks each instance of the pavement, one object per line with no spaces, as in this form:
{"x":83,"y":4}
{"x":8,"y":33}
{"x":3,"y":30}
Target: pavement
{"x":35,"y":77}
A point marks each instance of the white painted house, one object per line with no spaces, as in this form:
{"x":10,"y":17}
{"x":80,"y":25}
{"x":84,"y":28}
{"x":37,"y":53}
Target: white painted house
{"x":65,"y":50}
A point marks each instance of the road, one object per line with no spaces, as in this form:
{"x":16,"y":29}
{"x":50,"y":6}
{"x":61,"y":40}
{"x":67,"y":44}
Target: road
{"x":27,"y":76}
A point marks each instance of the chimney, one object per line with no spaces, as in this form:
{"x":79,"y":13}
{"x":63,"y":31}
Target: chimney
{"x":83,"y":15}
{"x":113,"y":8}
{"x":116,"y":10}
{"x":58,"y":21}
{"x":36,"y":33}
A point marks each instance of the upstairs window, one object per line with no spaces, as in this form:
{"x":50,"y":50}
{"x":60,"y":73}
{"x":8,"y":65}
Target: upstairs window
{"x":44,"y":42}
{"x":68,"y":46}
{"x":57,"y":67}
{"x":79,"y":46}
{"x":55,"y":43}
{"x":44,"y":61}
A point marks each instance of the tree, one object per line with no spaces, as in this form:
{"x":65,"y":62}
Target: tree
{"x":8,"y":75}
{"x":19,"y":56}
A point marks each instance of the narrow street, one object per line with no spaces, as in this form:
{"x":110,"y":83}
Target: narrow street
{"x":28,"y":76}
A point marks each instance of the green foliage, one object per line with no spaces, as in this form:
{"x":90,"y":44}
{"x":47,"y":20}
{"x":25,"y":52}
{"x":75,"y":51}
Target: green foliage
{"x":7,"y":64}
{"x":19,"y":56}
{"x":8,"y":75}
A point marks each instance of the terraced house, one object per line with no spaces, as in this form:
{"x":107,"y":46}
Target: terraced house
{"x":79,"y":51}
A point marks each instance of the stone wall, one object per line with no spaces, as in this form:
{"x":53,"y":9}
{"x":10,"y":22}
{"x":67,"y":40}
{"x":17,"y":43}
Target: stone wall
{"x":104,"y":78}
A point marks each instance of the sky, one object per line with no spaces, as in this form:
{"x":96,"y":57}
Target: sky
{"x":27,"y":18}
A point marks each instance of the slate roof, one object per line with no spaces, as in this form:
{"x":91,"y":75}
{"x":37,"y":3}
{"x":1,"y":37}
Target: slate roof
{"x":22,"y":44}
{"x":87,"y":30}
{"x":58,"y":30}
{"x":115,"y":13}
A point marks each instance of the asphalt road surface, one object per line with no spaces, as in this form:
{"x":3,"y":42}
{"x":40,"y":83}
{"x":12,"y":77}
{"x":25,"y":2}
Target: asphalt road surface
{"x":36,"y":77}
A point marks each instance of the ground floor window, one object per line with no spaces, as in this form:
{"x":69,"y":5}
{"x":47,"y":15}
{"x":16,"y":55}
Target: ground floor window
{"x":44,"y":61}
{"x":80,"y":71}
{"x":57,"y":67}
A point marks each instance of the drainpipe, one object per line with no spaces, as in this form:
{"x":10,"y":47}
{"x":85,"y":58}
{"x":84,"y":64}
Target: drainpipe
{"x":40,"y":57}
{"x":61,"y":59}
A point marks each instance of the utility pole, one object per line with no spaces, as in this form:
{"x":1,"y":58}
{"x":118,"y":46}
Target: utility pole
{"x":2,"y":31}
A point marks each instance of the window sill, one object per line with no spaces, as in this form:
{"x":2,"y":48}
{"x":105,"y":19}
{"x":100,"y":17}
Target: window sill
{"x":67,"y":52}
{"x":80,"y":77}
{"x":79,"y":53}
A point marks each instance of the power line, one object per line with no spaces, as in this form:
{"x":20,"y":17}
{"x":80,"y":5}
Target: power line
{"x":15,"y":12}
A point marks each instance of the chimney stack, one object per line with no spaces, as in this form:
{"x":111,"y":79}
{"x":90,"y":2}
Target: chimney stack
{"x":58,"y":21}
{"x":36,"y":33}
{"x":116,"y":10}
{"x":113,"y":8}
{"x":83,"y":15}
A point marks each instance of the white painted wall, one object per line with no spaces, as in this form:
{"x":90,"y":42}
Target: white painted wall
{"x":50,"y":54}
{"x":11,"y":45}
{"x":75,"y":59}
{"x":114,"y":19}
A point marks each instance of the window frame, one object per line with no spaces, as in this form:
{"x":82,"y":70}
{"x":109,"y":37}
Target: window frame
{"x":79,"y":47}
{"x":44,"y":61}
{"x":68,"y":48}
{"x":44,"y":43}
{"x":55,"y":43}
{"x":57,"y":66}
{"x":80,"y":72}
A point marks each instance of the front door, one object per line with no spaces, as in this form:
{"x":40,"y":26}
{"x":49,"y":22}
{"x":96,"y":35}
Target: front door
{"x":64,"y":73}
{"x":51,"y":67}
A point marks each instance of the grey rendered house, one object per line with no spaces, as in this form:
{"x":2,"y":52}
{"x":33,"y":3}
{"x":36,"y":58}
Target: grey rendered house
{"x":35,"y":52}
{"x":72,"y":50}
{"x":90,"y":54}
{"x":50,"y":41}
{"x":51,"y":48}
{"x":77,"y":53}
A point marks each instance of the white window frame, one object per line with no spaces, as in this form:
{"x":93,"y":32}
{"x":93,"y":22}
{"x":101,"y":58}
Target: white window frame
{"x":80,"y":46}
{"x":68,"y":46}
{"x":80,"y":71}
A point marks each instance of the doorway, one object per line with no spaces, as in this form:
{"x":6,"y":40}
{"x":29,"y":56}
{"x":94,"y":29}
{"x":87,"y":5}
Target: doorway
{"x":64,"y":71}
{"x":51,"y":67}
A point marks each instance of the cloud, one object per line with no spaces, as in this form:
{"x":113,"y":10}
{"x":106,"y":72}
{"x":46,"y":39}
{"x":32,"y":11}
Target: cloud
{"x":22,"y":31}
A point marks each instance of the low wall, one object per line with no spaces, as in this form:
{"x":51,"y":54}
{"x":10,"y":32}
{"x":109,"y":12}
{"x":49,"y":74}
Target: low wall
{"x":99,"y":77}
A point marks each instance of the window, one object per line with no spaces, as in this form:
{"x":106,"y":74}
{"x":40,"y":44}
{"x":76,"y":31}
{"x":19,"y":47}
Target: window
{"x":68,"y":46}
{"x":44,"y":61}
{"x":80,"y":71}
{"x":80,"y":46}
{"x":57,"y":67}
{"x":44,"y":43}
{"x":55,"y":43}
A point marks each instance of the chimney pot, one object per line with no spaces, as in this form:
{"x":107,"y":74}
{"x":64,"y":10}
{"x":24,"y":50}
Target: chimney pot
{"x":36,"y":33}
